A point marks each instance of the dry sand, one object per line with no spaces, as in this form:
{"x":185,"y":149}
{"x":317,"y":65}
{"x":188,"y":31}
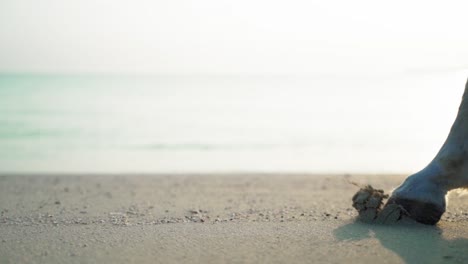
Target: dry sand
{"x":212,"y":219}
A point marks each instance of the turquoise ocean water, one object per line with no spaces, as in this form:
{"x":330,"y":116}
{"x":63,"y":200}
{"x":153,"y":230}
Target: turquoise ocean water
{"x":114,"y":124}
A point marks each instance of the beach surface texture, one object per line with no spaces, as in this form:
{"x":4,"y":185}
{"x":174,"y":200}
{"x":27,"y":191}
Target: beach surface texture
{"x":210,"y":218}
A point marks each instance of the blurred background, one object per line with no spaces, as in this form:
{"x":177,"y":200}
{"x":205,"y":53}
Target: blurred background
{"x":228,"y":86}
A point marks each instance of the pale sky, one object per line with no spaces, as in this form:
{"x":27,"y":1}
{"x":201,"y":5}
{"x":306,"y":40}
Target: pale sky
{"x":242,"y":36}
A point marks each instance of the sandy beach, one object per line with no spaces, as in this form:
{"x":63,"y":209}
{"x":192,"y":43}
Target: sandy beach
{"x":234,"y":218}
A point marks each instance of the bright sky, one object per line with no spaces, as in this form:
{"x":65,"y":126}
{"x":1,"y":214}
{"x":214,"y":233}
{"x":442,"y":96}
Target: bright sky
{"x":242,"y":36}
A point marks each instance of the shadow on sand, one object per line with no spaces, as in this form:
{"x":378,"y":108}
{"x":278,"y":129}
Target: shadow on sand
{"x":413,"y":242}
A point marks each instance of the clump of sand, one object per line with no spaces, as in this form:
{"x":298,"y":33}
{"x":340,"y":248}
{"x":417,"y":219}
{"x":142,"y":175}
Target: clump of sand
{"x":369,"y":203}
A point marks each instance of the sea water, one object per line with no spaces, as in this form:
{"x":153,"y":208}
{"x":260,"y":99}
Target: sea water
{"x":224,"y":123}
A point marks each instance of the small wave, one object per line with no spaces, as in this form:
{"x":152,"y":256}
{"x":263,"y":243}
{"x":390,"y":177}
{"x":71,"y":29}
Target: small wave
{"x":216,"y":147}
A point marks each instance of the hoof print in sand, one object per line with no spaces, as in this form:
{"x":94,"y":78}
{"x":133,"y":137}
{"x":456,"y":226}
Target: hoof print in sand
{"x":369,"y":201}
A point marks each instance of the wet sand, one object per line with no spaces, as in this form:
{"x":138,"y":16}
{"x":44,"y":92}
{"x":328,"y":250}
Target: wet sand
{"x":236,"y":218}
